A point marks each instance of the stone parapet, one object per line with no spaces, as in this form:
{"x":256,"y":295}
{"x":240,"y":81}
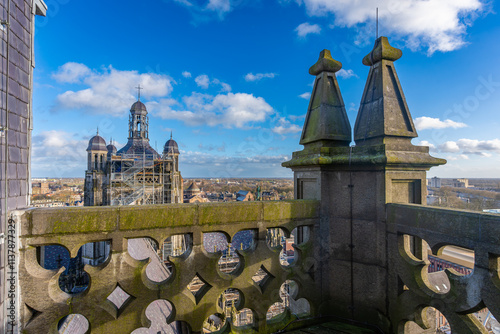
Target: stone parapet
{"x":412,"y":290}
{"x":44,"y":303}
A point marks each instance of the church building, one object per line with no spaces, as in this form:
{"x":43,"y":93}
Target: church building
{"x":136,"y":174}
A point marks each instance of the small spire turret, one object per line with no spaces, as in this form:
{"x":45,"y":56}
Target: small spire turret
{"x":383,"y":113}
{"x":326,"y":122}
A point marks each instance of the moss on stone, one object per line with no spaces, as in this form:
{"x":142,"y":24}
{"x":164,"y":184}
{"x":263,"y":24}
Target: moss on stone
{"x":275,"y":211}
{"x":74,"y":221}
{"x":229,"y":212}
{"x":150,"y":217}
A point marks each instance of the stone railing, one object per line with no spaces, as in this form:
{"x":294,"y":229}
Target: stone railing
{"x":460,"y":296}
{"x":44,"y":304}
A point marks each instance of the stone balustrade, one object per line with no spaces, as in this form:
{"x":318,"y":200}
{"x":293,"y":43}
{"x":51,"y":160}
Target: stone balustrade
{"x":411,"y":289}
{"x":44,"y":303}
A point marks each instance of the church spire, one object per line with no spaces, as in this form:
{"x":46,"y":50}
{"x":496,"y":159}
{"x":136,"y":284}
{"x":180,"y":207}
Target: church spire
{"x":383,"y":112}
{"x":326,"y":122}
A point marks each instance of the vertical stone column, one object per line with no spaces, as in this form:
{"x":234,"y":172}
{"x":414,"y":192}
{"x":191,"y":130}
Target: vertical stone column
{"x":355,"y":183}
{"x":16,"y":67}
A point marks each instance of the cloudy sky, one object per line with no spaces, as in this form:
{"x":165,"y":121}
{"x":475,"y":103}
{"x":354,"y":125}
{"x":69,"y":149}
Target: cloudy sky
{"x":230,"y":77}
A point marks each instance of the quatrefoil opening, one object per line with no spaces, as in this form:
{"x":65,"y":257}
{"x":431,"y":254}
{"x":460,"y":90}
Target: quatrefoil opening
{"x":288,"y":293}
{"x":230,"y":261}
{"x":230,"y":313}
{"x":74,"y":279}
{"x":279,"y":238}
{"x":74,"y":324}
{"x":158,"y":314}
{"x":157,"y":271}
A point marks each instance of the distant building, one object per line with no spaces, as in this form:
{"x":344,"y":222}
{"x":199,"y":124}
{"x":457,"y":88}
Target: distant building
{"x":40,"y":188}
{"x":244,"y":196}
{"x":192,"y":190}
{"x":199,"y":198}
{"x":461,"y":183}
{"x":270,"y":196}
{"x":435,"y":182}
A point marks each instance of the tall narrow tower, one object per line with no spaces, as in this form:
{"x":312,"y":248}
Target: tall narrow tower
{"x":173,"y":186}
{"x":96,"y":171}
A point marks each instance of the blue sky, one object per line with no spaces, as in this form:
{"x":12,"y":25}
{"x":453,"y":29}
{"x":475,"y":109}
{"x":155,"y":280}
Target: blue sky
{"x":230,"y":77}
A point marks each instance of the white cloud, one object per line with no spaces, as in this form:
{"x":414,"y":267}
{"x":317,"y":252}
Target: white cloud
{"x":428,"y":144}
{"x":458,"y":157}
{"x":71,"y":73}
{"x":425,"y":123}
{"x":204,"y":10}
{"x":285,"y":127}
{"x":450,"y":147}
{"x":306,"y":28}
{"x":259,"y":76}
{"x":346,"y":74}
{"x":58,"y":153}
{"x":112,"y":91}
{"x":306,"y":96}
{"x":472,"y":146}
{"x":186,"y":74}
{"x":438,"y":25}
{"x":202,"y":81}
{"x":231,"y":110}
{"x":219,"y":6}
{"x":224,"y":86}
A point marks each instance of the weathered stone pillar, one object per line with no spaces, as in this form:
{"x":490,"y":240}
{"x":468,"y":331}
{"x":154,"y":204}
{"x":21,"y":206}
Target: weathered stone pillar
{"x":355,"y":183}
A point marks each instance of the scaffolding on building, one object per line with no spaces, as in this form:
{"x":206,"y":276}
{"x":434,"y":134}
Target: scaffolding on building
{"x":137,"y":179}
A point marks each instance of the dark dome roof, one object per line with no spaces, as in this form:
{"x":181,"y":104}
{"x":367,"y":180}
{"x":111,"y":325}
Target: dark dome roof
{"x":97,"y":143}
{"x":171,"y":147}
{"x":111,"y":148}
{"x":139,"y":107}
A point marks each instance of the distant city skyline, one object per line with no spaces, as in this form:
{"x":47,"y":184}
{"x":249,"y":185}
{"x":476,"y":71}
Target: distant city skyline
{"x":230,"y":78}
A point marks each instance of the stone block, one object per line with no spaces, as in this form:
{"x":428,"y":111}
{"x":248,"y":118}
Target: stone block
{"x":22,"y":171}
{"x":22,"y":140}
{"x":226,"y":212}
{"x":14,"y":154}
{"x":14,"y":122}
{"x":24,"y":156}
{"x":24,"y":188}
{"x":148,"y":217}
{"x":14,"y":88}
{"x":11,"y":171}
{"x":14,"y":188}
{"x":24,"y":81}
{"x":11,"y":203}
{"x":16,"y":28}
{"x":25,"y":94}
{"x":77,"y":220}
{"x":12,"y":137}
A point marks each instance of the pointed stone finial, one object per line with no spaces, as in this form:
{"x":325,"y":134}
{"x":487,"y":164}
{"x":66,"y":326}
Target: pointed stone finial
{"x":382,"y":50}
{"x":325,"y":63}
{"x":326,"y":122}
{"x":170,"y":134}
{"x":97,"y":131}
{"x":383,"y":112}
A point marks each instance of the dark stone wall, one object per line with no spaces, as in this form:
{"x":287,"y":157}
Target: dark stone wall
{"x":15,"y":112}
